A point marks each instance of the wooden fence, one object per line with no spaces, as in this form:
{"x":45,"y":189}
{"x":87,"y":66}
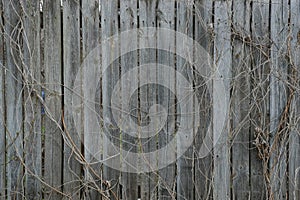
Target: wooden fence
{"x":45,"y":149}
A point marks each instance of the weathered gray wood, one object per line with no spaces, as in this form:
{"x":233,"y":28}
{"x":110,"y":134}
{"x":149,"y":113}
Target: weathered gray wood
{"x":2,"y":107}
{"x":203,"y":166}
{"x":223,"y":62}
{"x":166,"y":19}
{"x":147,"y":18}
{"x":13,"y":100}
{"x":71,"y":63}
{"x":241,"y":101}
{"x":278,"y":99}
{"x":294,"y":141}
{"x":91,"y":73}
{"x":128,"y":21}
{"x":110,"y":27}
{"x":185,"y":169}
{"x":32,"y":105}
{"x":53,"y":98}
{"x":260,"y":107}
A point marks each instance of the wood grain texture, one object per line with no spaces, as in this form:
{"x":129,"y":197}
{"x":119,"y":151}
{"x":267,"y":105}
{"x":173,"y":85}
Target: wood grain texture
{"x":223,"y":61}
{"x":278,"y":99}
{"x":13,"y":100}
{"x":147,"y":18}
{"x":241,"y":101}
{"x":71,"y":66}
{"x":91,"y":72}
{"x":203,"y":166}
{"x":260,"y":65}
{"x":294,"y":140}
{"x":166,"y":19}
{"x":185,"y":186}
{"x":32,"y":104}
{"x":128,"y":21}
{"x":53,"y":98}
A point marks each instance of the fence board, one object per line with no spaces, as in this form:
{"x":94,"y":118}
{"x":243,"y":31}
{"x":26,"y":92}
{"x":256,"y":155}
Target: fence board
{"x":71,"y":66}
{"x":110,"y":26}
{"x":147,"y":18}
{"x":294,"y":141}
{"x":2,"y":106}
{"x":203,"y":166}
{"x":128,"y":20}
{"x":91,"y":72}
{"x":13,"y":100}
{"x":278,"y":99}
{"x":185,"y":163}
{"x":32,"y":105}
{"x":166,"y":19}
{"x":241,"y":101}
{"x":259,"y":86}
{"x":53,"y":98}
{"x":223,"y":60}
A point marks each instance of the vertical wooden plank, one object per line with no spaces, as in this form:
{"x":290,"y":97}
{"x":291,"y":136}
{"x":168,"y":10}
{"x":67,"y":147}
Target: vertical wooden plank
{"x":241,"y":101}
{"x":278,"y":99}
{"x":128,"y":21}
{"x":184,"y":24}
{"x":260,"y":103}
{"x":71,"y":63}
{"x":147,"y":18}
{"x":203,"y":166}
{"x":13,"y":99}
{"x":32,"y":105}
{"x":92,"y":141}
{"x":110,"y":27}
{"x":223,"y":61}
{"x":166,"y":19}
{"x":2,"y":108}
{"x":53,"y":97}
{"x":294,"y":140}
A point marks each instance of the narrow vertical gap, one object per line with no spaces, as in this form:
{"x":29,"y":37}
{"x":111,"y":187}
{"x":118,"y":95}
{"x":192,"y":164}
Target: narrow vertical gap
{"x":81,"y":136}
{"x":3,"y":98}
{"x":62,"y":96}
{"x":155,"y":24}
{"x":42,"y":41}
{"x":212,"y":114}
{"x":121,"y":191}
{"x":139,"y":196}
{"x":291,"y":72}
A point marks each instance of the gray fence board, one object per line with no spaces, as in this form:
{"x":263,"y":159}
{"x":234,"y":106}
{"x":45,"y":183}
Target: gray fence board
{"x":71,"y":66}
{"x":184,"y":24}
{"x":241,"y":101}
{"x":166,"y":19}
{"x":53,"y":98}
{"x":13,"y":100}
{"x":259,"y":35}
{"x":128,"y":20}
{"x":147,"y":18}
{"x":91,"y":72}
{"x":203,"y":166}
{"x":294,"y":140}
{"x":278,"y":99}
{"x":223,"y":60}
{"x":32,"y":105}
